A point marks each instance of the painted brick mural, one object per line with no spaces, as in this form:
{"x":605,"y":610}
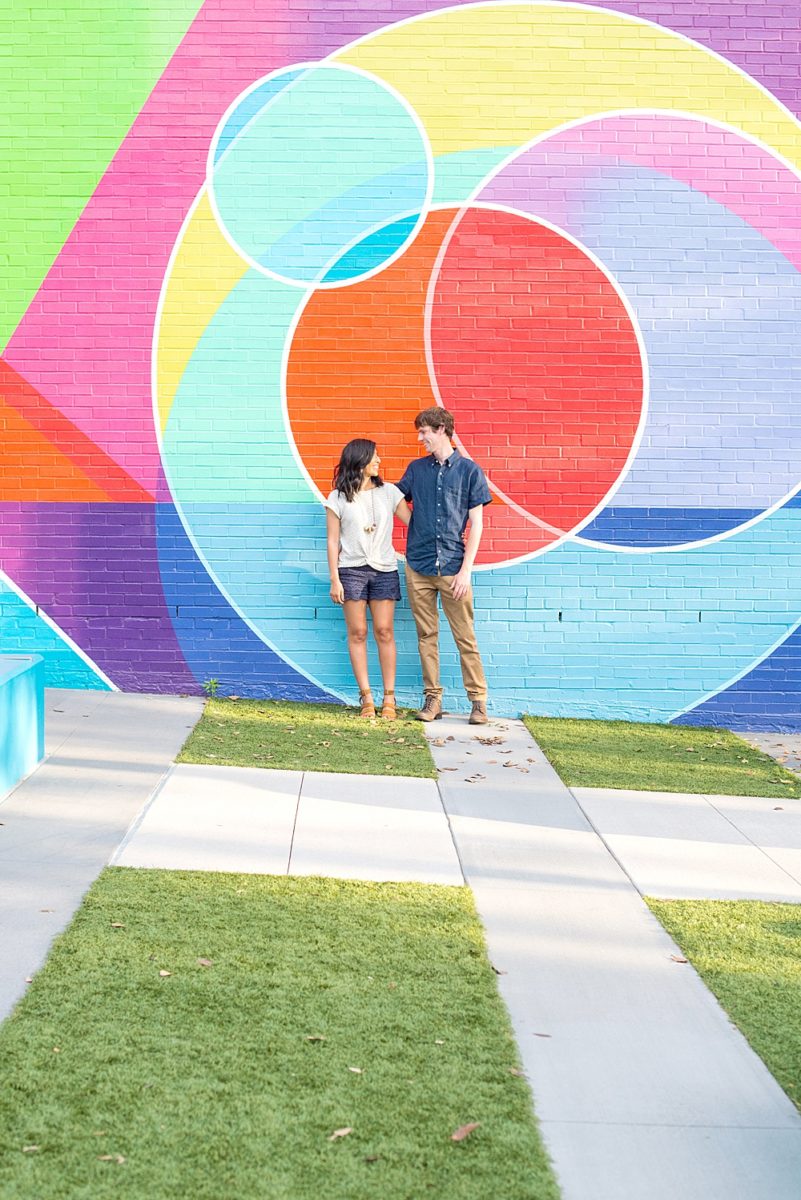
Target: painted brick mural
{"x":239,"y":234}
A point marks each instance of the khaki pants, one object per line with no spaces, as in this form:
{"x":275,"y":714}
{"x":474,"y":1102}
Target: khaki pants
{"x":423,"y":591}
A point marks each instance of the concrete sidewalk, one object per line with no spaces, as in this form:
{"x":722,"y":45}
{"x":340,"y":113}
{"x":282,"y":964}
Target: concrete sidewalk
{"x":106,"y":752}
{"x":643,"y":1087}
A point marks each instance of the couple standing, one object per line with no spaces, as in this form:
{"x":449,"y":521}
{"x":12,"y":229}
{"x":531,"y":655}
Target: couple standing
{"x":446,"y":490}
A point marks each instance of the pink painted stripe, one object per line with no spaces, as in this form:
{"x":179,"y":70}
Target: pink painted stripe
{"x":85,"y":341}
{"x":730,"y":169}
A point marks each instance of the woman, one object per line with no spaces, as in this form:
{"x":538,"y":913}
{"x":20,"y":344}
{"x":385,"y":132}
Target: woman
{"x":362,"y":563}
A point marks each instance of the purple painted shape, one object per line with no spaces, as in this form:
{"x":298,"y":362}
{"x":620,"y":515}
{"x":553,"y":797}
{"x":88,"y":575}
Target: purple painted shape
{"x":103,"y":345}
{"x":94,"y":570}
{"x":550,"y":179}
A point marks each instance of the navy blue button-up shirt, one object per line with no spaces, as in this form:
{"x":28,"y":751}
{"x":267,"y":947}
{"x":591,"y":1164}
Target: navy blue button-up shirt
{"x":442,"y":496}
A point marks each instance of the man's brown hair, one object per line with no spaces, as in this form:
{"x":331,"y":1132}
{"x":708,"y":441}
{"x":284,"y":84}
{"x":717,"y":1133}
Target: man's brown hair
{"x":435,"y":418}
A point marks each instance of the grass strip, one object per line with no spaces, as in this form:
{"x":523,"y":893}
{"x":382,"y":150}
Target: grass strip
{"x":747,"y":953}
{"x":306,"y":737}
{"x":206,"y":1034}
{"x":659,"y":758}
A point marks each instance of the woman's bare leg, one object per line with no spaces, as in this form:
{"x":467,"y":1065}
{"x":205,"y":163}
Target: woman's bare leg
{"x":383,"y":614}
{"x":356,"y":625}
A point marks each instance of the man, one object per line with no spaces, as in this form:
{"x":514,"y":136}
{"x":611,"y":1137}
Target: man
{"x":446,"y":490}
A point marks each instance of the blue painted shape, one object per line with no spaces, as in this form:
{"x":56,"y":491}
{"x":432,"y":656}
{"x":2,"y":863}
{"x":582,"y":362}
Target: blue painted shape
{"x":371,"y":251}
{"x":655,"y":527}
{"x":21,"y":717}
{"x":250,"y":107}
{"x":23,"y":632}
{"x":327,"y":160}
{"x":215,"y":641}
{"x":767,"y":698}
{"x":579,"y":631}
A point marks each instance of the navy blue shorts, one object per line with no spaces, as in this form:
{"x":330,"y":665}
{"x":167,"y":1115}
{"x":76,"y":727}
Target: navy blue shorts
{"x":365,"y":583}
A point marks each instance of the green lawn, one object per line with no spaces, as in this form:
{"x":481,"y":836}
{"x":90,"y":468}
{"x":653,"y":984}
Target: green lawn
{"x":205,"y":1035}
{"x":306,"y":737}
{"x":747,"y":952}
{"x":659,"y":758}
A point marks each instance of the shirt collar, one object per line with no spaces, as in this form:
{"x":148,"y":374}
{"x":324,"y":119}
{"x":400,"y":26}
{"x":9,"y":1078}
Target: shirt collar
{"x":449,"y":461}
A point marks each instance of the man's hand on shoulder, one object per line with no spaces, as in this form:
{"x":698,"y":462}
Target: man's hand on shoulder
{"x":460,"y":584}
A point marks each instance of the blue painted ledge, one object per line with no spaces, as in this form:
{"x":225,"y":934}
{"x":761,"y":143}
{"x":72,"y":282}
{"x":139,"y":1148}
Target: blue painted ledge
{"x":21,"y":717}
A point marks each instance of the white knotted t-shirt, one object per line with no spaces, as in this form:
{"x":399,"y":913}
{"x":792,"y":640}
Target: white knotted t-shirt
{"x":361,"y":545}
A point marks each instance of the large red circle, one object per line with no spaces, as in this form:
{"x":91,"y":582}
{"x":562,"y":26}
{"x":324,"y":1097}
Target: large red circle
{"x":534,"y":353}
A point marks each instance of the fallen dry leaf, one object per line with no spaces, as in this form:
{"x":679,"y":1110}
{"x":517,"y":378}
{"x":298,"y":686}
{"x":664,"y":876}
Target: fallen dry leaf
{"x":677,"y":958}
{"x":464,"y":1131}
{"x":117,"y":1158}
{"x":356,"y":1070}
{"x":340,"y":1133}
{"x":47,"y":910}
{"x":165,"y":974}
{"x":438,"y":741}
{"x":204,"y":962}
{"x":778,"y":808}
{"x":439,"y":1041}
{"x":516,"y":1071}
{"x":56,"y":1049}
{"x":372,"y":1158}
{"x":498,"y":970}
{"x":117,"y":925}
{"x":542,"y":1035}
{"x":30,"y":1149}
{"x":316,"y":1037}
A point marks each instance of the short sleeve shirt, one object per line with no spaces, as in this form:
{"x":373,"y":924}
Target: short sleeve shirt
{"x":442,"y":496}
{"x":359,"y":544}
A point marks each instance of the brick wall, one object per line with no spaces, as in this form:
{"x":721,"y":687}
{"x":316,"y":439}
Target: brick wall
{"x":238,"y":237}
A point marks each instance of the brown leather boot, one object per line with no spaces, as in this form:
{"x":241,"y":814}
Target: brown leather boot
{"x":478,"y":716}
{"x":431,"y":710}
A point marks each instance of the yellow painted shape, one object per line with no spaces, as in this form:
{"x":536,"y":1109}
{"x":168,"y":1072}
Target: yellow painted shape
{"x":204,"y":271}
{"x":500,"y":74}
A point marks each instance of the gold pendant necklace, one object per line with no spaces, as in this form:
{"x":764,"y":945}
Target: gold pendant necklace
{"x":371,"y":528}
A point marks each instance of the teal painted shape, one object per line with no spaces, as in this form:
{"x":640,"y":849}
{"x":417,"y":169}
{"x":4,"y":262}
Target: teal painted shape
{"x":457,"y":175}
{"x":330,"y":157}
{"x":225,"y":439}
{"x":23,"y":632}
{"x":629,"y":642}
{"x":21,"y":717}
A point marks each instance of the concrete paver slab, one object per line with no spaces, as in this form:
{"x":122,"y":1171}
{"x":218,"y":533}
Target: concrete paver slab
{"x":610,"y":1028}
{"x":608,"y":1162}
{"x":500,"y":755}
{"x":371,"y":827}
{"x":784,"y":747}
{"x":684,"y":847}
{"x":216,"y":819}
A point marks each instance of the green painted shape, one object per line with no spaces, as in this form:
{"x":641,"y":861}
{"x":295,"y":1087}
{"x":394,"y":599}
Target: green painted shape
{"x":75,"y":74}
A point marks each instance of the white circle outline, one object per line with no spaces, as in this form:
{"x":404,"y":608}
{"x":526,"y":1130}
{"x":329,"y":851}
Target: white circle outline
{"x":304,"y":70}
{"x":562,"y":535}
{"x":681,"y":114}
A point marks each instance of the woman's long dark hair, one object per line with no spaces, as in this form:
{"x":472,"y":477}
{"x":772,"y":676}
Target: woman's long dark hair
{"x":350,"y":468}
